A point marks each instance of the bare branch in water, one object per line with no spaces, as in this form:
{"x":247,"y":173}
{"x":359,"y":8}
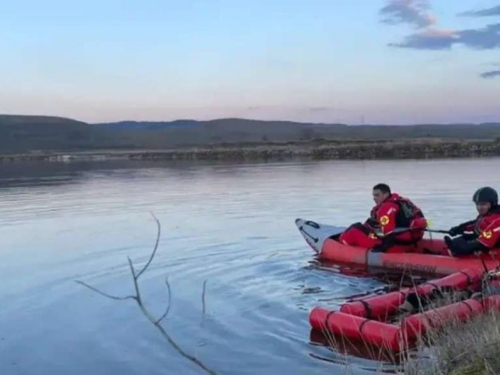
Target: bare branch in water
{"x":169,"y":303}
{"x":182,"y":352}
{"x":203,"y":296}
{"x":134,"y":278}
{"x":103,"y":293}
{"x":155,"y":248}
{"x":147,"y":314}
{"x":203,"y":304}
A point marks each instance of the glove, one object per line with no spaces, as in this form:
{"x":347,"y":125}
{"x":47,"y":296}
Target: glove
{"x":456,"y":231}
{"x":372,"y":223}
{"x":460,"y":246}
{"x":378,"y":249}
{"x":448,"y":241}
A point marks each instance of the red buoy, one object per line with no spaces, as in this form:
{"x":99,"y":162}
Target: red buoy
{"x":418,"y":324}
{"x":383,"y":306}
{"x":456,"y":281}
{"x":356,"y":328}
{"x":378,"y":307}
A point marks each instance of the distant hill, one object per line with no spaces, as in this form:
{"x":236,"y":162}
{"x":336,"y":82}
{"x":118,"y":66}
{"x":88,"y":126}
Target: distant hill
{"x":150,"y":125}
{"x":31,"y":133}
{"x":190,"y":132}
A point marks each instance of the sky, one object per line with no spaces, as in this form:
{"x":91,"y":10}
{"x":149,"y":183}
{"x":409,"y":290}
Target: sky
{"x":329,"y":61}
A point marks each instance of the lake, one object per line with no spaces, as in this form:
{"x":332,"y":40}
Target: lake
{"x":228,"y":225}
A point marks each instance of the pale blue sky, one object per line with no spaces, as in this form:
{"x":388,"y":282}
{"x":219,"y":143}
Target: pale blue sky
{"x":303,"y":60}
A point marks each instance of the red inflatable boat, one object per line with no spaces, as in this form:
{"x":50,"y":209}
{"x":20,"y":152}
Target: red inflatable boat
{"x":368,"y":320}
{"x":428,"y":256}
{"x":378,"y":320}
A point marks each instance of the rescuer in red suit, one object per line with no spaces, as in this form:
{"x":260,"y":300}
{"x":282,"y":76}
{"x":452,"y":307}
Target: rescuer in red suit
{"x":391,"y":211}
{"x":482,"y":233}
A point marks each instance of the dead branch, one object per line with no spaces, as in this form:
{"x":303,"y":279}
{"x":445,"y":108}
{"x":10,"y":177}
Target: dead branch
{"x":203,"y":304}
{"x":104,"y":294}
{"x":138,"y":298}
{"x":203,"y":296}
{"x":154,"y":250}
{"x":165,"y":314}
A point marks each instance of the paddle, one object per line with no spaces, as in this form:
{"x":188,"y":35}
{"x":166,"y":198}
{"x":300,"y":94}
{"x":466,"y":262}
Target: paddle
{"x":397,"y":231}
{"x":437,"y":231}
{"x":404,"y":230}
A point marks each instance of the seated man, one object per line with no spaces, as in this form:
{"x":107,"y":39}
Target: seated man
{"x":483,"y":233}
{"x":390,"y":212}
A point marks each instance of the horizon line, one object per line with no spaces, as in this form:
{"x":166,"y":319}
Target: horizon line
{"x":247,"y":119}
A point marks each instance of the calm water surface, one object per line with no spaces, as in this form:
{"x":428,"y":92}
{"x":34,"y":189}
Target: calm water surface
{"x":231,"y":225}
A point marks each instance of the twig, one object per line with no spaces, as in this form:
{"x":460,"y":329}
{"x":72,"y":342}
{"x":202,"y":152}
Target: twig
{"x":203,"y":304}
{"x":104,"y":294}
{"x":154,"y":250}
{"x":134,"y":278}
{"x":147,"y":314}
{"x":169,"y":302}
{"x":203,"y":297}
{"x":182,"y":352}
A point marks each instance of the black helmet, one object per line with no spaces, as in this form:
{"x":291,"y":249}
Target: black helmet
{"x":486,"y":194}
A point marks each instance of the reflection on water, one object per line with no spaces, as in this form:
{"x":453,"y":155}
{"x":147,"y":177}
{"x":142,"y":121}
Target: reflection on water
{"x":231,"y":225}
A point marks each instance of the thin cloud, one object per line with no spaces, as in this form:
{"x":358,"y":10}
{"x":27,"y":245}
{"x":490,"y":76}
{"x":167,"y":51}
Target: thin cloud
{"x":415,"y":12}
{"x":329,"y":109}
{"x":433,"y":39}
{"x":490,"y":74}
{"x":494,"y":11}
{"x":429,"y":39}
{"x":320,"y":109}
{"x":487,"y":38}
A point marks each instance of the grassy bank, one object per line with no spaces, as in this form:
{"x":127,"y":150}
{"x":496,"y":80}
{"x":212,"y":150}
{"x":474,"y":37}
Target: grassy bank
{"x":462,"y":345}
{"x":460,"y":349}
{"x":312,"y":150}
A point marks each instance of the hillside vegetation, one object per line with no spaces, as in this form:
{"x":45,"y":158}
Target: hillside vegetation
{"x":37,"y":133}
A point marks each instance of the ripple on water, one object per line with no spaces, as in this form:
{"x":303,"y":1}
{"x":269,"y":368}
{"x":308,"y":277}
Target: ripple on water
{"x":231,"y":226}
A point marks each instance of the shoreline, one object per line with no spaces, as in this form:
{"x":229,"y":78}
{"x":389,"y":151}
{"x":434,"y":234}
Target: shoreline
{"x":315,"y":150}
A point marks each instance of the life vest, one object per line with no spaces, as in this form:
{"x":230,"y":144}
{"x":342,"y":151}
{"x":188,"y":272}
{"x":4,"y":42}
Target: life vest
{"x":483,"y":223}
{"x":407,"y":214}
